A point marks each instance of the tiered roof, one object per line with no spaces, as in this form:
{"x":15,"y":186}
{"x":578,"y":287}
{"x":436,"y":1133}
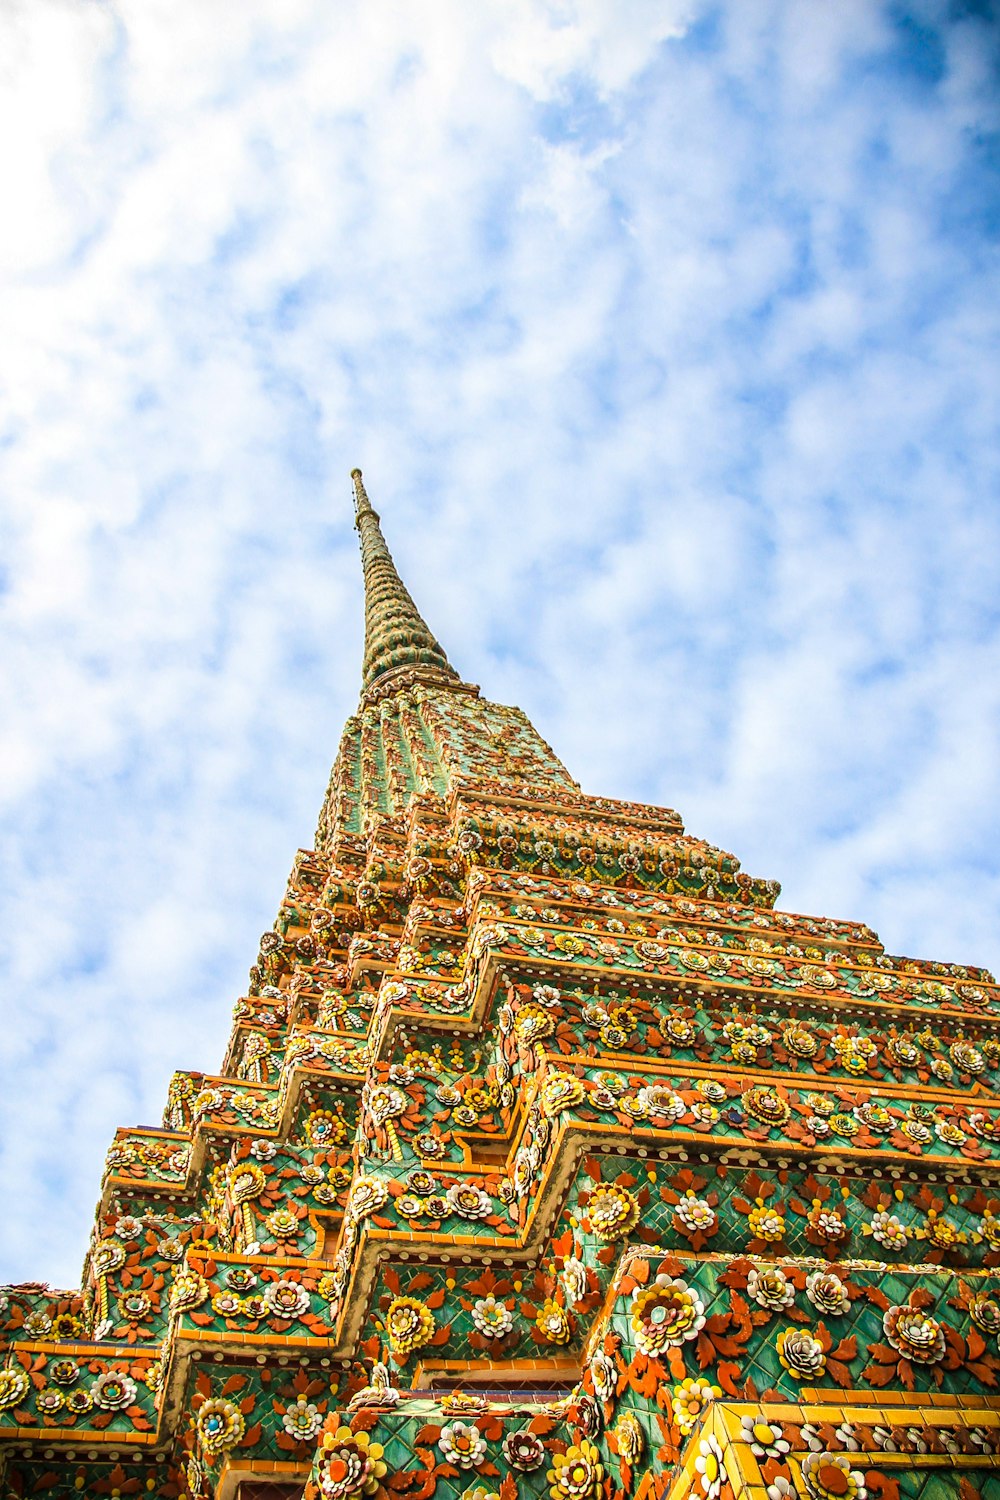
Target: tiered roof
{"x":547,"y":1159}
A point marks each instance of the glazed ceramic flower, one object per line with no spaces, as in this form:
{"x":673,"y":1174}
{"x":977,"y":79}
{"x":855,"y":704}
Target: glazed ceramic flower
{"x":799,"y":1041}
{"x":679,"y":1030}
{"x":464,"y":1404}
{"x":409,"y":1206}
{"x":634,"y":1108}
{"x":493,"y":1319}
{"x":553,"y":1323}
{"x":577,"y":1473}
{"x":469,"y":1200}
{"x":765,"y":1438}
{"x":766,"y":1224}
{"x":302,"y":1421}
{"x":710,"y":1468}
{"x":801,"y":1354}
{"x":409,"y":1324}
{"x":766,"y":1105}
{"x":613,"y":1082}
{"x":533,"y":1024}
{"x":286,"y":1299}
{"x":328,"y":1286}
{"x":696,"y":1215}
{"x":612,"y":1211}
{"x":665,"y":1315}
{"x":574,"y":1279}
{"x":689,"y":1400}
{"x":112,"y":1391}
{"x":902,"y":1051}
{"x":875,"y":1116}
{"x":189,"y":1290}
{"x":463,"y":1445}
{"x":368,"y":1195}
{"x":604,"y":1373}
{"x":282,"y":1223}
{"x":546,"y":994}
{"x":108,"y":1256}
{"x":226,"y":1304}
{"x":14,"y":1386}
{"x":828,"y":1226}
{"x":561,"y":1091}
{"x":219,"y":1425}
{"x":523,"y":1451}
{"x":914,"y":1334}
{"x":628,"y":1435}
{"x":941,"y":1233}
{"x":49,"y":1400}
{"x":820,"y":1104}
{"x":829,"y":1476}
{"x":386,"y":1103}
{"x":349,"y":1463}
{"x":68,"y":1326}
{"x":888,"y":1231}
{"x":769,"y":1287}
{"x":324,"y":1128}
{"x":134,"y":1305}
{"x":984,"y":1311}
{"x":827,"y":1293}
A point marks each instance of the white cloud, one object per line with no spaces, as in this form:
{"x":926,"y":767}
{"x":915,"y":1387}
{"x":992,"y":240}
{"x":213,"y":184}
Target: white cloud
{"x":666,"y":338}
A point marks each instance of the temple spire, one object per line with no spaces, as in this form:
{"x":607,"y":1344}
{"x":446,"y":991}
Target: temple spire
{"x":396,"y":635}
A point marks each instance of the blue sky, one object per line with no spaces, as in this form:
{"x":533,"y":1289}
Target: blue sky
{"x":666,"y":336}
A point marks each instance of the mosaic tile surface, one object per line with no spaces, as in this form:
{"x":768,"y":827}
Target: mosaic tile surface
{"x":547,"y":1159}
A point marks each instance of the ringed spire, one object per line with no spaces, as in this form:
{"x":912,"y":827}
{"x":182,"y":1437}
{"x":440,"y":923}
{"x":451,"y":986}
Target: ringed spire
{"x":396,"y":634}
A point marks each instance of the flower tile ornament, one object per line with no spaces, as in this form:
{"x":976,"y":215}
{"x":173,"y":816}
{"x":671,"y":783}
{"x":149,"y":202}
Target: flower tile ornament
{"x":548,"y":1159}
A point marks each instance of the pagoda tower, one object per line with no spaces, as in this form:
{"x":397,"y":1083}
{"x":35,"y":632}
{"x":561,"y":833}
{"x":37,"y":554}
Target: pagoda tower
{"x":547,"y":1160}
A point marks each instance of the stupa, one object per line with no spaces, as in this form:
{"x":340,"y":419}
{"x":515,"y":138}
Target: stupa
{"x":547,"y":1159}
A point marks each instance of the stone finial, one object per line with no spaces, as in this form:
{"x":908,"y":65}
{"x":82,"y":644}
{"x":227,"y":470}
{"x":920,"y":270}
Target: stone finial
{"x":396,"y":634}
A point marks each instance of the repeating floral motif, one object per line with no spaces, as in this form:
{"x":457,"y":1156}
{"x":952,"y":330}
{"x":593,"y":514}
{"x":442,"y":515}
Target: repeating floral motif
{"x":546,"y":1159}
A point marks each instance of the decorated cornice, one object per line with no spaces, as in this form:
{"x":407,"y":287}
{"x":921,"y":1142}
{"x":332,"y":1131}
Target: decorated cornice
{"x":547,"y":1161}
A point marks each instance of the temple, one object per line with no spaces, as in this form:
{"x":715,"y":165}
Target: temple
{"x":547,"y":1160}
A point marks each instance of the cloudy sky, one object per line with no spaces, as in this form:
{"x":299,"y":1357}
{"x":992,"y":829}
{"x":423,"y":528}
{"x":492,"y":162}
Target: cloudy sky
{"x":666,"y":336}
